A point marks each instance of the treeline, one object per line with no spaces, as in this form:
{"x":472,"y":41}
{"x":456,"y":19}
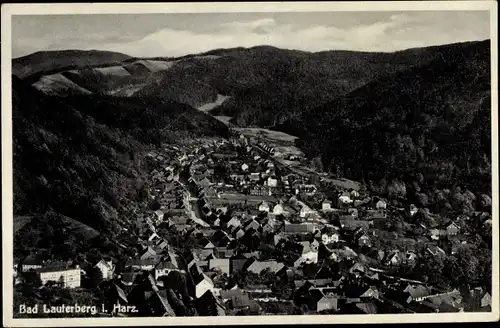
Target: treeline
{"x":414,"y":134}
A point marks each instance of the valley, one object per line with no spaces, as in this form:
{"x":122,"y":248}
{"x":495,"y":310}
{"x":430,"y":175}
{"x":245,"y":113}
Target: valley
{"x":255,"y":181}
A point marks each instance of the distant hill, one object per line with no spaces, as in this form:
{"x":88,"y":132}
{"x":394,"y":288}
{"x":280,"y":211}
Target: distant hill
{"x":266,"y":85}
{"x":428,"y":125}
{"x":80,"y":156}
{"x":44,"y":62}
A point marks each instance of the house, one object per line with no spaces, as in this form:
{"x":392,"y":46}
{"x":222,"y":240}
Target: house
{"x":221,"y":265}
{"x":326,"y":205}
{"x":330,"y":237}
{"x":257,"y":267}
{"x":166,"y":266}
{"x":118,"y":296}
{"x":221,"y":210}
{"x":264,"y":206}
{"x":435,"y":250}
{"x":148,"y":254}
{"x":60,"y":272}
{"x":153,"y":236}
{"x":364,"y":240}
{"x":381,"y":205}
{"x":272,"y":182}
{"x":452,"y":229}
{"x":238,"y":233}
{"x":234,"y":222}
{"x":305,"y":252}
{"x":308,"y":189}
{"x":371,"y":292}
{"x":411,"y":257}
{"x":367,"y":308}
{"x":237,"y":263}
{"x":201,"y":281}
{"x":129,"y":278}
{"x":158,"y":217}
{"x":269,"y":225}
{"x":252,"y":224}
{"x":480,"y":299}
{"x":445,"y":302}
{"x":353,"y":212}
{"x":236,"y":299}
{"x":351,"y":224}
{"x":244,"y":167}
{"x":416,"y":294}
{"x":278,"y":209}
{"x":306,"y":211}
{"x":107,"y":269}
{"x":378,"y":215}
{"x":329,"y":302}
{"x":394,"y":258}
{"x":205,"y":243}
{"x":210,"y":305}
{"x":138,"y":264}
{"x":298,"y":228}
{"x":358,"y":268}
{"x":344,"y":199}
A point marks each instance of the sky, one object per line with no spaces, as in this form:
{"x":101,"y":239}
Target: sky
{"x":171,"y":35}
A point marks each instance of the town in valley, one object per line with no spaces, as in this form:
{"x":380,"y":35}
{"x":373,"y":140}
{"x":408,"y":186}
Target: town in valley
{"x":242,"y":226}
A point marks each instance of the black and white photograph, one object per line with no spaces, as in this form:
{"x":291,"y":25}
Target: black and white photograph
{"x":285,"y":162}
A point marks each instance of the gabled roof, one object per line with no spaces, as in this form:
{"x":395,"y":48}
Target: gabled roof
{"x":257,"y":267}
{"x":162,"y":296}
{"x":129,"y":277}
{"x":370,"y":292}
{"x":121,"y":294}
{"x":368,"y":308}
{"x":331,"y":300}
{"x":56,"y":266}
{"x":169,"y":263}
{"x":418,"y":291}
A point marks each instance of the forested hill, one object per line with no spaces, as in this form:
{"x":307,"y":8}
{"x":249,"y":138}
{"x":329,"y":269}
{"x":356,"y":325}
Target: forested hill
{"x":78,"y":156}
{"x":44,"y":62}
{"x":428,"y":126}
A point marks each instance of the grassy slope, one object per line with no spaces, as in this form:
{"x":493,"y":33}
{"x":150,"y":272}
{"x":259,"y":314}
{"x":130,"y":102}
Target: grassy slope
{"x":46,"y":62}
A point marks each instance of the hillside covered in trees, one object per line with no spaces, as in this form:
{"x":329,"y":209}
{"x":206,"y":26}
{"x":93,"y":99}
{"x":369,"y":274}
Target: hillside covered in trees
{"x":81,"y":156}
{"x":266,"y":85}
{"x":415,"y":133}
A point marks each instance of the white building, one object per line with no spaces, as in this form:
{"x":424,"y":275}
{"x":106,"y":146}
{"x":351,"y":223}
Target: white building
{"x":264,"y":207}
{"x":278,"y":209}
{"x":381,"y":205}
{"x":326,"y":205}
{"x":330,"y":237}
{"x":272,"y":182}
{"x":107,"y":269}
{"x":69,"y":277}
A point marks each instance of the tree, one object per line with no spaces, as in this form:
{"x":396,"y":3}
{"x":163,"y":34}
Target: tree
{"x":396,"y":189}
{"x":485,"y":202}
{"x":422,"y":199}
{"x":462,"y":267}
{"x":317,"y":164}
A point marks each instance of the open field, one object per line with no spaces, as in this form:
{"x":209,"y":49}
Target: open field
{"x":209,"y":106}
{"x":270,"y":135}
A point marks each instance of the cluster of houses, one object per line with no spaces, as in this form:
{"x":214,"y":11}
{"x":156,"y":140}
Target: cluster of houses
{"x":209,"y":231}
